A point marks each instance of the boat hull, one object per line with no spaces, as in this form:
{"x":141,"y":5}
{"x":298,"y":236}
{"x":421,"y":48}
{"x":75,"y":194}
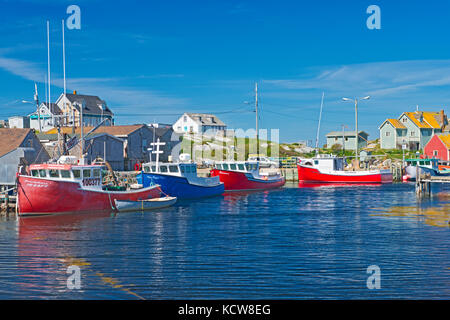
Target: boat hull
{"x":179,"y":186}
{"x":38,"y":196}
{"x":144,"y":205}
{"x":308,"y":174}
{"x":237,"y":181}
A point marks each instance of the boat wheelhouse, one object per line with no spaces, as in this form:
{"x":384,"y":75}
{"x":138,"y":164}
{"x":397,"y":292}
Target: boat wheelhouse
{"x":180,"y":180}
{"x":424,"y":166}
{"x":63,"y":188}
{"x":331,"y":169}
{"x":245,"y":175}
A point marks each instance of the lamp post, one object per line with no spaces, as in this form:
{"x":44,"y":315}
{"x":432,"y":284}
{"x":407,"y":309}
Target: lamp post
{"x":37,"y":111}
{"x":356,"y":121}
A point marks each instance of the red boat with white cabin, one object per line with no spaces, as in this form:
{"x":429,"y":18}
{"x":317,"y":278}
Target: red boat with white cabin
{"x":245,"y":175}
{"x":69,"y":188}
{"x":330,"y":169}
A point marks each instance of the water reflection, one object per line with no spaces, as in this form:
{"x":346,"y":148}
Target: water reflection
{"x":433,"y":214}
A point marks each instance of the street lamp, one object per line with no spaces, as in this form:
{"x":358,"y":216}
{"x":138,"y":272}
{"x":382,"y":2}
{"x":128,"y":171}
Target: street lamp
{"x":356,"y":120}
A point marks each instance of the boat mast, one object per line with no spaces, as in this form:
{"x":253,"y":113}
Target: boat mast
{"x":256,"y":111}
{"x":48,"y":65}
{"x":318,"y":126}
{"x":64,"y":70}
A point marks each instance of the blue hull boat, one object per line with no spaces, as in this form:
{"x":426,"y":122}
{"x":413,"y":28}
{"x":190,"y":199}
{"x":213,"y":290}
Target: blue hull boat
{"x":180,"y":187}
{"x":180,"y":180}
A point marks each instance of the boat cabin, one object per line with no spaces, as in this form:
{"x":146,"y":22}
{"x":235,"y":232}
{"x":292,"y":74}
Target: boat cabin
{"x":429,"y":163}
{"x":243,"y":166}
{"x":174,"y":169}
{"x":88,"y":175}
{"x":328,"y":163}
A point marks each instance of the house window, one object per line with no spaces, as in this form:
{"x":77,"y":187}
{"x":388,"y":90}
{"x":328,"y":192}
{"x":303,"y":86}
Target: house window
{"x":404,"y":119}
{"x":412,"y":133}
{"x":191,"y":128}
{"x":335,"y":139}
{"x":185,"y":118}
{"x":388,"y":134}
{"x":435,"y":153}
{"x":346,"y":138}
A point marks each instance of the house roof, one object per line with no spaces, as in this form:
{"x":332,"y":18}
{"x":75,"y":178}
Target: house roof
{"x":92,"y":106}
{"x":426,"y":119}
{"x":445,"y":138}
{"x":11,"y":139}
{"x":112,"y":130}
{"x":345,"y":133}
{"x":396,"y":124}
{"x":206,"y":119}
{"x":54,"y":108}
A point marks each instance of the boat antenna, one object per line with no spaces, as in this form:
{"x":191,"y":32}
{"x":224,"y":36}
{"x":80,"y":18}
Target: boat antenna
{"x":256,"y":111}
{"x":318,"y":126}
{"x":81,"y":130}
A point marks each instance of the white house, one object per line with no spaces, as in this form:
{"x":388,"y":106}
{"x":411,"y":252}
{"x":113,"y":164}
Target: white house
{"x":198,"y":123}
{"x":20,"y":122}
{"x":49,"y":116}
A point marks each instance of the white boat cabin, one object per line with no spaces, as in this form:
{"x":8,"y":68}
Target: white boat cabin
{"x":241,"y":166}
{"x":325,"y":163}
{"x":428,"y":163}
{"x":90,"y":176}
{"x":174,"y":169}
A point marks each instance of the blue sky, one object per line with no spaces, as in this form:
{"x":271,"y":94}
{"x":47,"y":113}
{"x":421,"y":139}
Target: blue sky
{"x":154,"y":60}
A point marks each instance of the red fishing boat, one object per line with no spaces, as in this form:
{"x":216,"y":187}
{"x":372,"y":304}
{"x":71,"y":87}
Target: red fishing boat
{"x":330,"y":169}
{"x":63,"y":188}
{"x":245,"y":175}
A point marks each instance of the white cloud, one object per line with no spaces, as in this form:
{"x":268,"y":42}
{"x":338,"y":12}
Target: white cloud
{"x":117,"y":94}
{"x":383,"y":79}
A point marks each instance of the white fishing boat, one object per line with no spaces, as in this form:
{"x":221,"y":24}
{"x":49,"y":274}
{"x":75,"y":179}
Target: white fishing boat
{"x":144,"y":205}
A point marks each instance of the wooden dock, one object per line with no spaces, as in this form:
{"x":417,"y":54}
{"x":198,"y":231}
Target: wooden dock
{"x":7,"y":204}
{"x":423,"y":183}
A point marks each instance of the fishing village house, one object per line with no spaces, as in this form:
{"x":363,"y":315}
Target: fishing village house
{"x":136,"y":140}
{"x":347,"y":139}
{"x":413,"y":129}
{"x":94,"y":110}
{"x":438,"y":147}
{"x":49,"y":117}
{"x":96,"y":145}
{"x":199,"y":123}
{"x":18,"y":147}
{"x":19,"y":122}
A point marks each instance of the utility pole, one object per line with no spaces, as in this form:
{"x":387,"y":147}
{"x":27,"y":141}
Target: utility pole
{"x":356,"y":123}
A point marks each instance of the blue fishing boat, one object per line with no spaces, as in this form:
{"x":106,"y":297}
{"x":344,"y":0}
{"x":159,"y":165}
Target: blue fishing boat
{"x":179,"y":180}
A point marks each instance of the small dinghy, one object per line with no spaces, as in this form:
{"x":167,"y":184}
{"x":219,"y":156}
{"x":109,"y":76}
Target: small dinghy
{"x":141,"y":205}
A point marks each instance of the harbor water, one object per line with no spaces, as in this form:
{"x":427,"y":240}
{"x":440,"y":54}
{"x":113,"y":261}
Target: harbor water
{"x":290,"y":243}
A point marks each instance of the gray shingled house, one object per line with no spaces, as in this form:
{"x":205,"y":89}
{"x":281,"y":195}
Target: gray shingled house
{"x":18,"y":147}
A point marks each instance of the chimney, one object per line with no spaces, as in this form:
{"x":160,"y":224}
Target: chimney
{"x":74,"y":92}
{"x":442,"y":118}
